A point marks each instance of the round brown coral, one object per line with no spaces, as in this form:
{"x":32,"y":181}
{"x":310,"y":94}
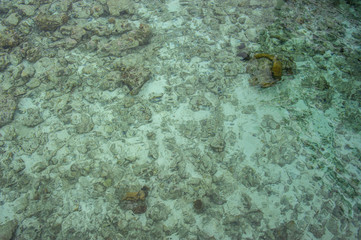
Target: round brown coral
{"x":140,"y":209}
{"x":198,"y":205}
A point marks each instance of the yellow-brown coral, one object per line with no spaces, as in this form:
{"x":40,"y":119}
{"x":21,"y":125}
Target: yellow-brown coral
{"x":266,"y":84}
{"x":264,"y":55}
{"x":276,"y":65}
{"x":276,"y":69}
{"x":135,"y":196}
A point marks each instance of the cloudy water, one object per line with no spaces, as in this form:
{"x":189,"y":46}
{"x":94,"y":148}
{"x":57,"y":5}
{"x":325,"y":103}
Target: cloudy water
{"x":180,"y":119}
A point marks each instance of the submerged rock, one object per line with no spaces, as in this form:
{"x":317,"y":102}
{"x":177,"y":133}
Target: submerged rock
{"x":261,"y":75}
{"x":51,"y":22}
{"x":4,"y":62}
{"x":135,"y":38}
{"x":7,"y":229}
{"x":32,"y":118}
{"x":217,"y":144}
{"x":9,"y":39}
{"x":118,"y":7}
{"x":276,"y":70}
{"x":158,"y":212}
{"x":134,"y":78}
{"x":85,"y":124}
{"x":7,"y":108}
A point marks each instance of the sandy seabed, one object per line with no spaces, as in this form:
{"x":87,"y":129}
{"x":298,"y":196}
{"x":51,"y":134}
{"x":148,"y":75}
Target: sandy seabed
{"x":153,"y":119}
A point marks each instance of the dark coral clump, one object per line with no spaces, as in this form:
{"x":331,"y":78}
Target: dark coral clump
{"x":198,"y":206}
